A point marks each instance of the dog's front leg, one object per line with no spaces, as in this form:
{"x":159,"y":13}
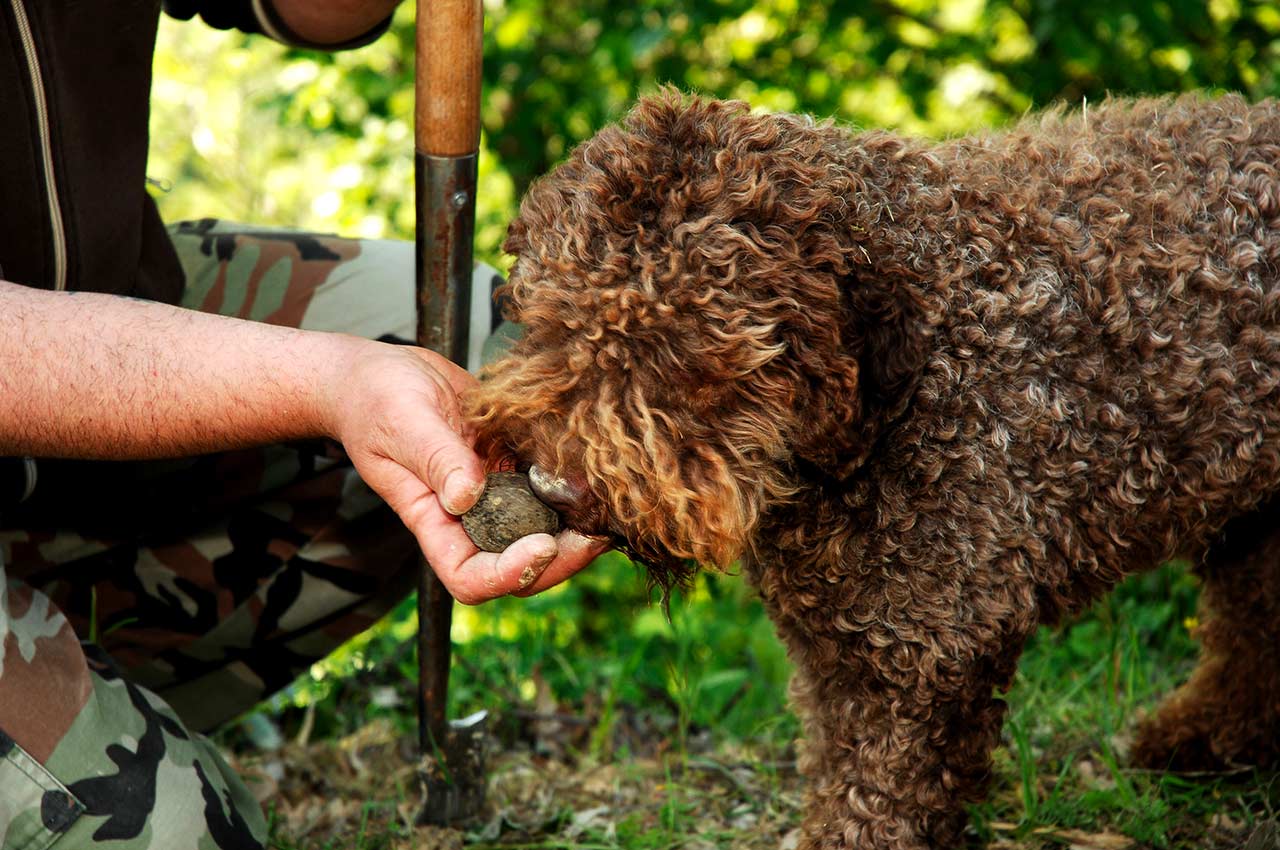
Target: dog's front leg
{"x":896,"y":681}
{"x":899,"y":738}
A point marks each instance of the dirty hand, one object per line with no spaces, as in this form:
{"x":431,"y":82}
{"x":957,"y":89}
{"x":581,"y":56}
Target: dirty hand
{"x":396,"y":413}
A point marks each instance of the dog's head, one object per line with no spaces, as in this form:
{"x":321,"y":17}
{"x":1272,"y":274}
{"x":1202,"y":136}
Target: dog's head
{"x":686,"y":346}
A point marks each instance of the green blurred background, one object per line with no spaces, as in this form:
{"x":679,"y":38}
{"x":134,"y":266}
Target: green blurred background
{"x":249,"y":130}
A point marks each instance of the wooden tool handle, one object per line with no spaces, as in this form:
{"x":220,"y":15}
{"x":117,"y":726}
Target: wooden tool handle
{"x":450,"y":37}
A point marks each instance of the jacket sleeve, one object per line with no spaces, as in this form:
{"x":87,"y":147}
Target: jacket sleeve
{"x":258,"y":16}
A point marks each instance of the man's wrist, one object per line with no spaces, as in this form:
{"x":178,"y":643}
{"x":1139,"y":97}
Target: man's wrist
{"x":334,"y":357}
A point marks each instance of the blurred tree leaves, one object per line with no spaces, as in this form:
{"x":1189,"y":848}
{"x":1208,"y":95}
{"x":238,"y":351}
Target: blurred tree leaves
{"x":555,"y":71}
{"x":247,"y":129}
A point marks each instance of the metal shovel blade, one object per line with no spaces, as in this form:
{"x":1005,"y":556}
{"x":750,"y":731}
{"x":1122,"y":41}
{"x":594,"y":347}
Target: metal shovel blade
{"x":453,"y":774}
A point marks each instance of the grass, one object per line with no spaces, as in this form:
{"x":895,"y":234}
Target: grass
{"x":1078,"y":694}
{"x":618,"y":728}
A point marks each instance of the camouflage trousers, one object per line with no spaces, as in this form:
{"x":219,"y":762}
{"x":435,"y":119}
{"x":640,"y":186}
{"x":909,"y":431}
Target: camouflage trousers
{"x":142,"y":604}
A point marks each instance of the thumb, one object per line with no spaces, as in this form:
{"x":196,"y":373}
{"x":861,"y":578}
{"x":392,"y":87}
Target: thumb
{"x":458,"y":378}
{"x":447,"y":465}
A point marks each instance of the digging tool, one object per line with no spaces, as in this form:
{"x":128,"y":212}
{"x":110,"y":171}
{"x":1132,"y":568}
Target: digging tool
{"x":447,"y":135}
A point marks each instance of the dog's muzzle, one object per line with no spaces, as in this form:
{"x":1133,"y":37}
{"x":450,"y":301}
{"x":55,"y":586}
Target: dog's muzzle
{"x":566,"y":496}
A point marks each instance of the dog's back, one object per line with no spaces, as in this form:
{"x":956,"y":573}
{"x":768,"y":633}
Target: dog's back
{"x":1116,"y":336}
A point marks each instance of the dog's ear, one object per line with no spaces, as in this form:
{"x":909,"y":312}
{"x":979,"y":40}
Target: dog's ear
{"x":885,"y":343}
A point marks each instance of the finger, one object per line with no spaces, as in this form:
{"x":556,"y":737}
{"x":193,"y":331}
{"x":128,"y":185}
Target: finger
{"x":528,"y":559}
{"x":470,"y":575}
{"x":446,"y":464}
{"x":575,"y":552}
{"x":458,"y":378}
{"x":440,"y":534}
{"x":441,"y":393}
{"x":473,"y":576}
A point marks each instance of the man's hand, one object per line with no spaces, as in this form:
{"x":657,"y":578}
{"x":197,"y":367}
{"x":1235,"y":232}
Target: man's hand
{"x":97,"y":376}
{"x":332,"y":21}
{"x":396,"y":413}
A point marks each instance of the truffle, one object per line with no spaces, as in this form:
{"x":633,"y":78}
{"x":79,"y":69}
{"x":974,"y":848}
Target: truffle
{"x":507,"y":511}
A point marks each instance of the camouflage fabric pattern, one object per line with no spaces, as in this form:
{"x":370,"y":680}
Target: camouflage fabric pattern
{"x":102,"y":760}
{"x":146,"y":603}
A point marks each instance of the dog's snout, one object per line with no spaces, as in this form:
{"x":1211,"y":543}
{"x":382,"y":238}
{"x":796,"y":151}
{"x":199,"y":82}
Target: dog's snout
{"x":563,"y":494}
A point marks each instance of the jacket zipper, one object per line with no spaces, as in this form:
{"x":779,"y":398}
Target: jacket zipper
{"x":46,"y":145}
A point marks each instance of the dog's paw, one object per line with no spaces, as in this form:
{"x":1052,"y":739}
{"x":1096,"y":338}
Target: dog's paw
{"x":1188,"y":735}
{"x":1172,"y":743}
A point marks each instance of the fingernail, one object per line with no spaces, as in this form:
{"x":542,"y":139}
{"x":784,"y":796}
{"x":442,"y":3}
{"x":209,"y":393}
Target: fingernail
{"x":460,"y":493}
{"x":585,"y":540}
{"x":532,"y":572}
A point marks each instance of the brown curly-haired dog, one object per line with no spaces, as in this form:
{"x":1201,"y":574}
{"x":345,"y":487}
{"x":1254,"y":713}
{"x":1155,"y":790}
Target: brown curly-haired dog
{"x":933,"y":395}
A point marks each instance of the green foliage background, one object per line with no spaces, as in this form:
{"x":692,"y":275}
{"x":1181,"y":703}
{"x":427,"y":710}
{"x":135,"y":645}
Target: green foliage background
{"x":246,"y":129}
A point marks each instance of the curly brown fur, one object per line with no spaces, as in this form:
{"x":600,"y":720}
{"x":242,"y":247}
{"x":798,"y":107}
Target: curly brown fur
{"x":933,"y":395}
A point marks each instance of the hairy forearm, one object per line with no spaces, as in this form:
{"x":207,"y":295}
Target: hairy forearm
{"x":333,"y":21}
{"x":97,"y":376}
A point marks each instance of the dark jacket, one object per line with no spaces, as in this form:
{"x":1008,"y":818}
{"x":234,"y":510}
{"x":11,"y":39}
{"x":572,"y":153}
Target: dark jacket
{"x":75,"y":81}
{"x":75,"y":78}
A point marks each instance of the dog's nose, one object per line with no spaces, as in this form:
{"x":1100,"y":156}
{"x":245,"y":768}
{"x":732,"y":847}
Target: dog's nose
{"x":565,"y":495}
